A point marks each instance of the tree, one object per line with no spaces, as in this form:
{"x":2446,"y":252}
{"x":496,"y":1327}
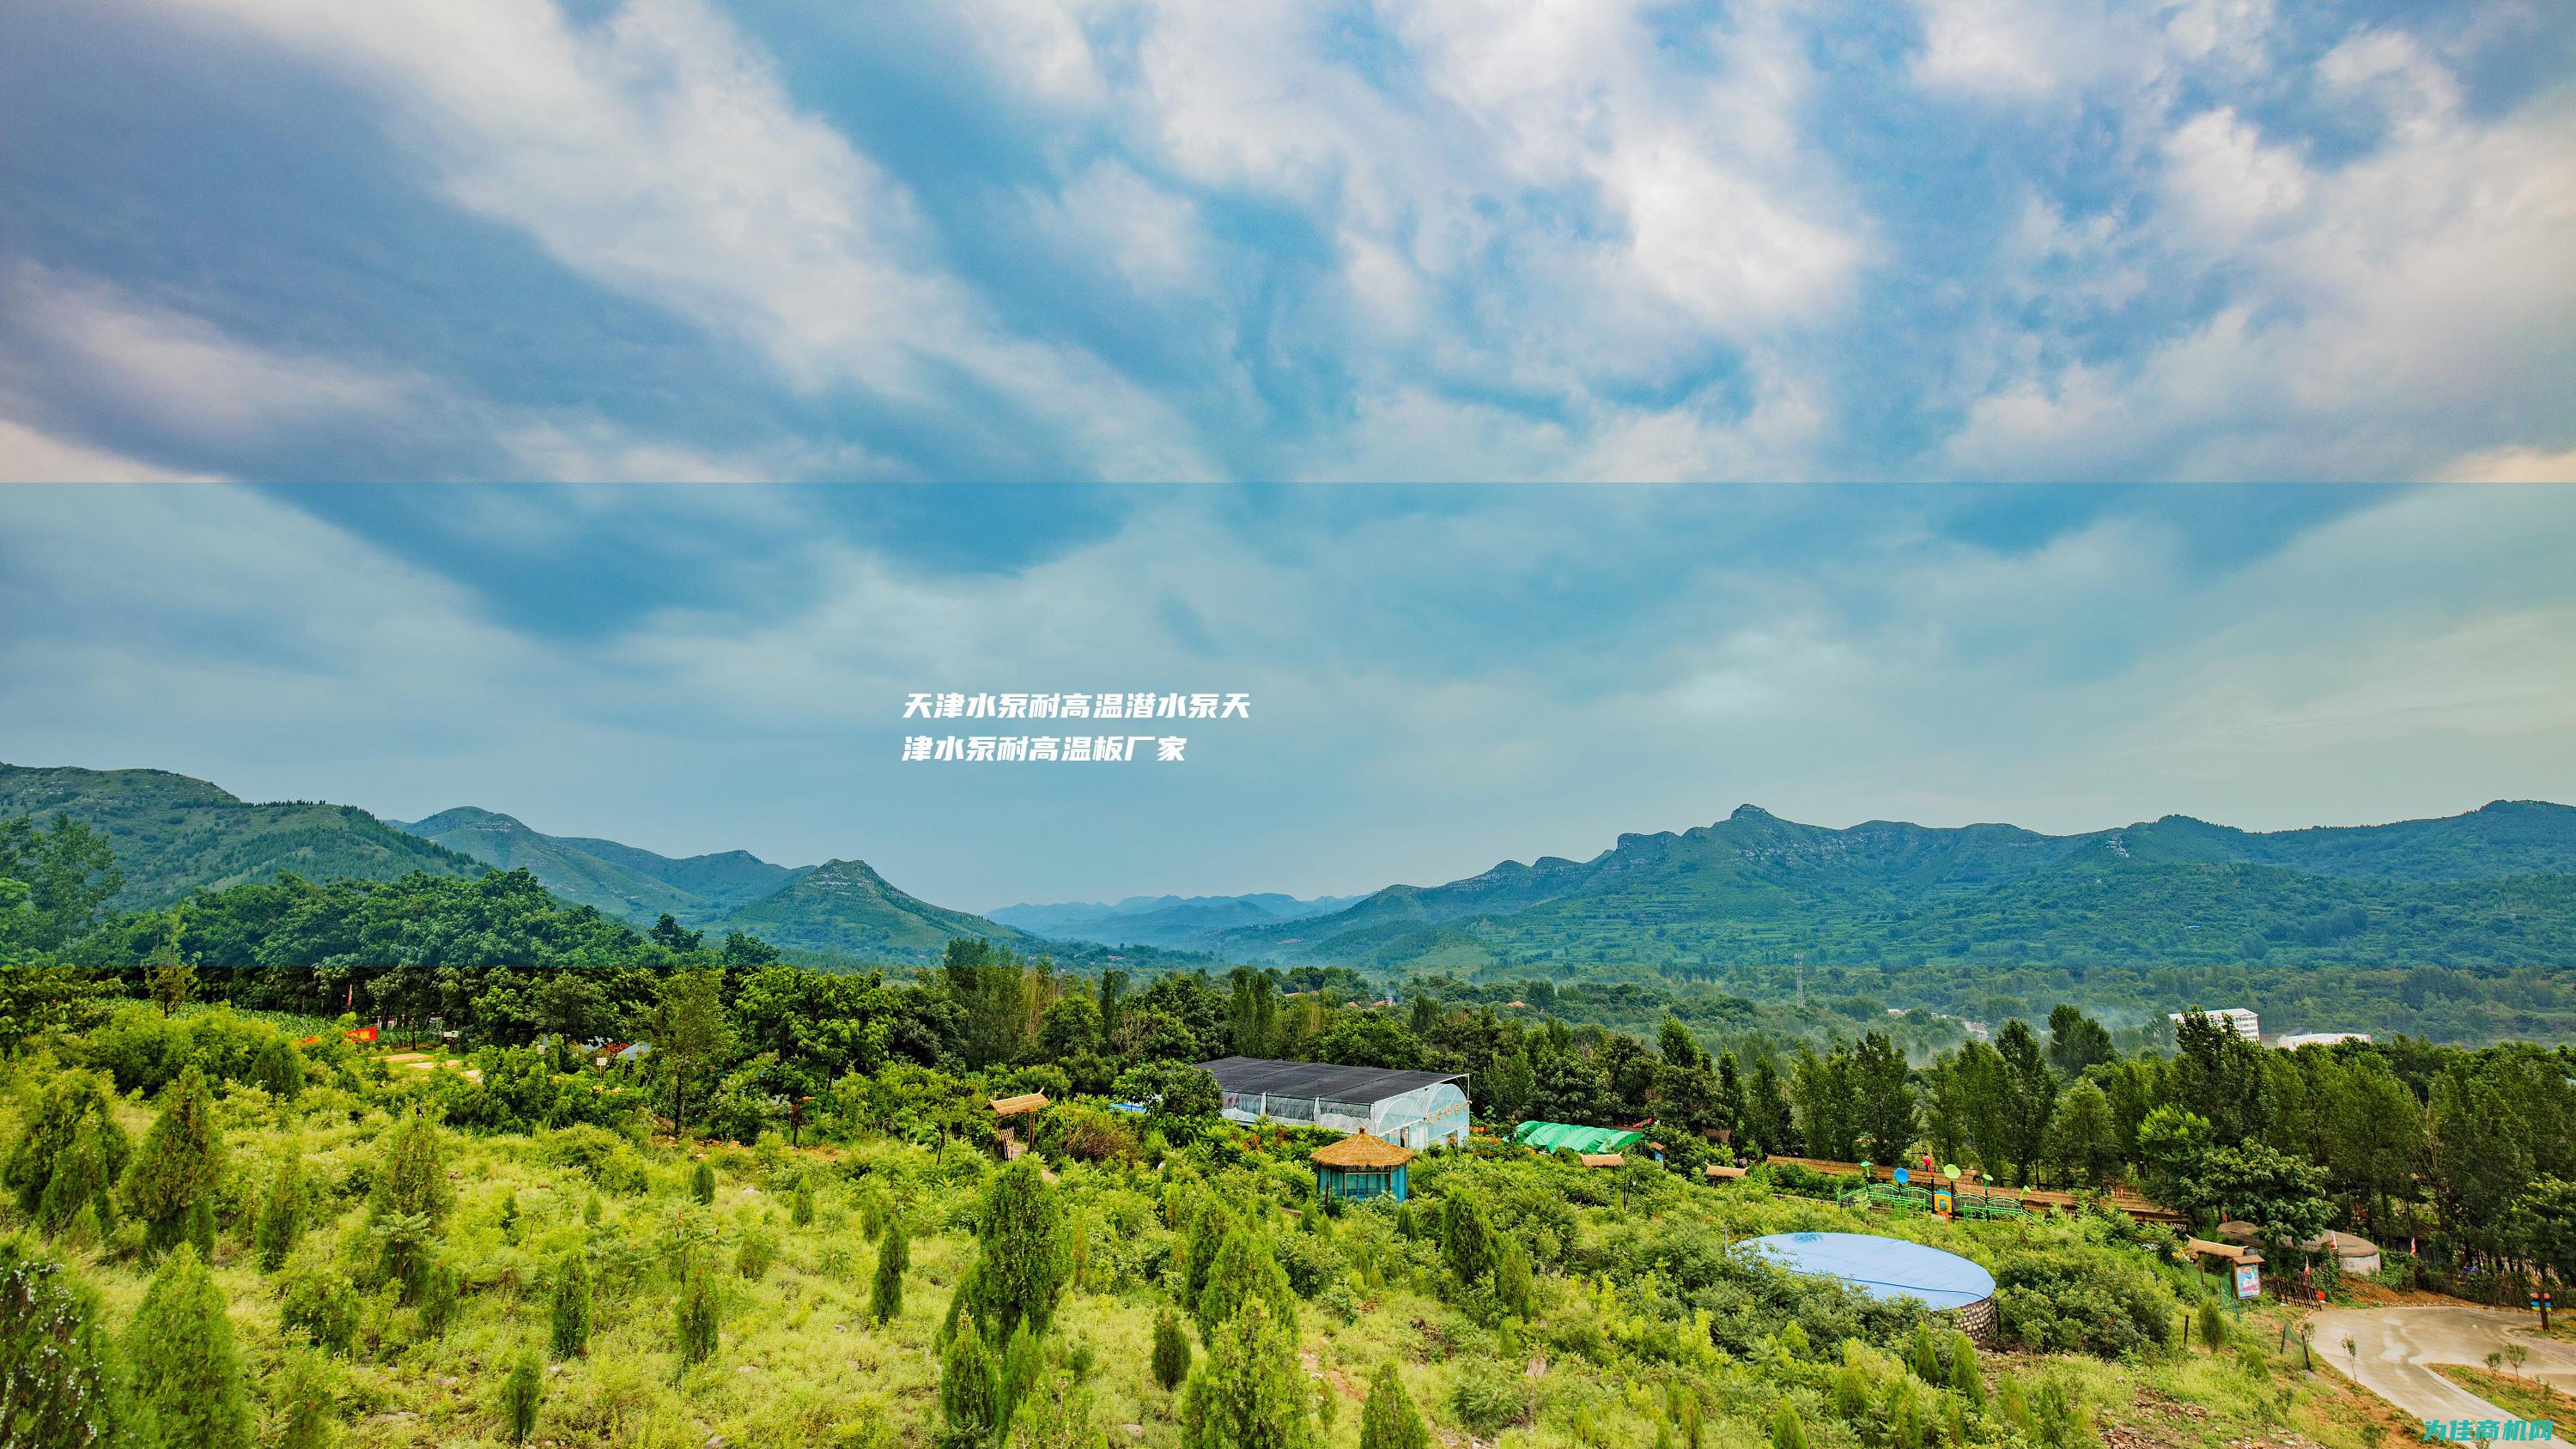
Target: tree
{"x":2076,"y":1042}
{"x":73,"y":1104}
{"x":1250,"y":1394}
{"x":1244,"y":1269}
{"x":1786,"y":1431}
{"x":69,"y":872}
{"x":308,"y":1405}
{"x":1174,"y":1092}
{"x":2083,"y":1143}
{"x":1171,"y":1349}
{"x":1883,"y":1104}
{"x":692,"y":1037}
{"x":800,"y":1204}
{"x":410,"y":1201}
{"x":187,"y":1374}
{"x":1466,"y":1240}
{"x":1022,"y":1262}
{"x":171,"y":1185}
{"x":281,"y":1212}
{"x":2285,"y":1199}
{"x":2544,"y":1226}
{"x":1389,"y":1420}
{"x":569,"y":1314}
{"x":169,"y":976}
{"x":57,"y":1383}
{"x":520,"y":1392}
{"x":970,"y":1390}
{"x":2028,"y":1097}
{"x":894,"y":1254}
{"x":278,"y":1068}
{"x":702,"y":1183}
{"x":697,"y":1314}
{"x":2171,"y":1143}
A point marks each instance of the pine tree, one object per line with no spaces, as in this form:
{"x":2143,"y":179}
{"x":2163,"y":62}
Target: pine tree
{"x":2212,"y":1325}
{"x":57,"y":1386}
{"x":1964,"y":1378}
{"x":411,"y":1198}
{"x":969,"y":1391}
{"x":171,"y":1184}
{"x":1786,"y":1431}
{"x":72,"y":1102}
{"x":800,"y":1209}
{"x":1018,"y":1370}
{"x":187,"y":1375}
{"x":1389,"y":1420}
{"x":439,"y":1285}
{"x":702,"y":1183}
{"x":570,"y":1315}
{"x":1171,"y":1350}
{"x":894,"y":1255}
{"x":1514,"y":1286}
{"x":278,"y":1068}
{"x":519,"y":1395}
{"x":1244,"y":1270}
{"x":281,"y":1214}
{"x":308,"y":1405}
{"x":82,"y":1184}
{"x":1250,"y":1394}
{"x":698,"y":1312}
{"x":1021,"y":1261}
{"x":1467,"y":1241}
{"x":1923,"y":1355}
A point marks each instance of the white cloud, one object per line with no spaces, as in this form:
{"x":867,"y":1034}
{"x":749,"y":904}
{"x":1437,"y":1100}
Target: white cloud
{"x":658,"y":153}
{"x":30,"y":456}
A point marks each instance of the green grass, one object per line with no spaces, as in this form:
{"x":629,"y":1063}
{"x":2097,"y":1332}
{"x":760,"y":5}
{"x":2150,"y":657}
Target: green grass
{"x":2522,"y":1397}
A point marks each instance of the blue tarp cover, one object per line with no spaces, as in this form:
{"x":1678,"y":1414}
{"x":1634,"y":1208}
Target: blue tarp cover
{"x":1882,"y":1267}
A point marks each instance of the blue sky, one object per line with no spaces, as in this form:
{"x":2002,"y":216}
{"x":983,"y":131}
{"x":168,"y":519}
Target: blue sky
{"x":1441,"y":678}
{"x":1041,"y":240}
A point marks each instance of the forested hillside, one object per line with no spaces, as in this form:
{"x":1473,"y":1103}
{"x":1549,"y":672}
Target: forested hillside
{"x":1986,"y":920}
{"x":633,"y":885}
{"x":791,"y":1224}
{"x":173,"y":834}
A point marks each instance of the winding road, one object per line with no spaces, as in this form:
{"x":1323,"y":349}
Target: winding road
{"x":2397,"y":1347}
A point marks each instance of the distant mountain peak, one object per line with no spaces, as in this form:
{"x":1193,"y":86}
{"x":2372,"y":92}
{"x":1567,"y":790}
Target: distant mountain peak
{"x":1750,"y":812}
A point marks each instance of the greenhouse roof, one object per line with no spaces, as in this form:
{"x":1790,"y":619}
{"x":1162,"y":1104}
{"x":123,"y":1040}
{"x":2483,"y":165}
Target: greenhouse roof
{"x":1318,"y":1079}
{"x":1549,"y":1136}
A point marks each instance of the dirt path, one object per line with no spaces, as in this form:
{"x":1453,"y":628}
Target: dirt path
{"x":2397,"y":1347}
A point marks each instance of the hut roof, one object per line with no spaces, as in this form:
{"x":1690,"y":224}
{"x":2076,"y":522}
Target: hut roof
{"x":1603,"y":1159}
{"x":2203,"y":1248}
{"x":1361,"y":1150}
{"x":1720,"y":1169}
{"x":1014,"y":1106}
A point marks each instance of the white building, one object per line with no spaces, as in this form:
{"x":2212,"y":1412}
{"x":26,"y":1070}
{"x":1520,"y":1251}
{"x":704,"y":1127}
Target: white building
{"x":2292,"y":1041}
{"x":2235,"y":1018}
{"x":1409,"y":1109}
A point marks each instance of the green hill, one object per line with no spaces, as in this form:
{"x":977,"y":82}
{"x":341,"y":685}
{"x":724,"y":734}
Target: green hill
{"x":845,"y":907}
{"x":621,"y":880}
{"x":2494,"y":891}
{"x":173,"y":834}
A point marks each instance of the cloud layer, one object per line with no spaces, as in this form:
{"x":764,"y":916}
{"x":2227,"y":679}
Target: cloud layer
{"x":1143,"y":238}
{"x":1440,"y":680}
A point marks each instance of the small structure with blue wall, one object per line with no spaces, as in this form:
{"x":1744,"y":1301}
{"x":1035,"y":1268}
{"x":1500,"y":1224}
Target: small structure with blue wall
{"x":1361,"y":1166}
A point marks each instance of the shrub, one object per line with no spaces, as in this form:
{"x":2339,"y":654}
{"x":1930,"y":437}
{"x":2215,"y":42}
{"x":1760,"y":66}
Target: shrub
{"x":894,"y":1254}
{"x":281,"y":1213}
{"x":308,"y":1405}
{"x":519,"y":1395}
{"x":54,"y":1359}
{"x":1171,"y":1349}
{"x":187,"y":1373}
{"x":702,"y":1183}
{"x":172,"y":1183}
{"x":800,"y":1209}
{"x":1389,"y":1420}
{"x":1489,"y":1398}
{"x":755,"y":1253}
{"x":697,"y":1315}
{"x":320,"y":1304}
{"x":440,"y":1285}
{"x":569,"y":1313}
{"x":2082,"y":1300}
{"x":970,"y":1390}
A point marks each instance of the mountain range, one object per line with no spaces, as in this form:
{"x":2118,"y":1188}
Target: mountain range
{"x":2491,"y":891}
{"x":1754,"y":886}
{"x":1180,"y":923}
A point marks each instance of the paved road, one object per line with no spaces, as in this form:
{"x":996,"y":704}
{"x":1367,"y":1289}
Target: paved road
{"x":2397,"y":1345}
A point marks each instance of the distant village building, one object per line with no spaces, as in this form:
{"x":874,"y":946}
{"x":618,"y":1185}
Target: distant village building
{"x":1409,"y":1109}
{"x":2292,"y":1041}
{"x":2235,"y":1018}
